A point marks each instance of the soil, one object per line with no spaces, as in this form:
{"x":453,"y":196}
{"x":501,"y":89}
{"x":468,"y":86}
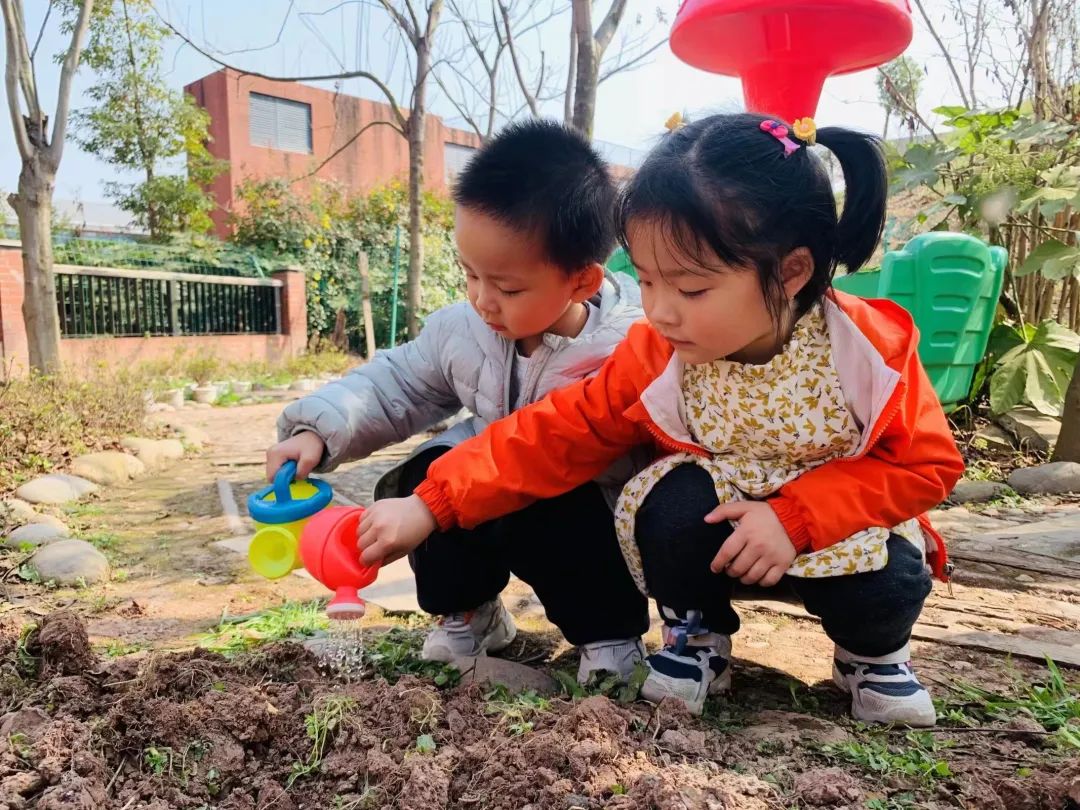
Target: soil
{"x":197,"y":730}
{"x":106,"y":705}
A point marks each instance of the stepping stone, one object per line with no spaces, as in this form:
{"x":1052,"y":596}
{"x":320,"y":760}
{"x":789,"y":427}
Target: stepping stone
{"x":69,"y":561}
{"x":56,"y":488}
{"x":1058,"y":478}
{"x":978,"y":491}
{"x":514,"y":676}
{"x":109,"y":467}
{"x":36,"y":534}
{"x":153,"y":452}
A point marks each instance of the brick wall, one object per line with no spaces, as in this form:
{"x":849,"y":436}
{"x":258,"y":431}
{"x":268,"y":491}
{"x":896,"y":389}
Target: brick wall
{"x":78,"y":353}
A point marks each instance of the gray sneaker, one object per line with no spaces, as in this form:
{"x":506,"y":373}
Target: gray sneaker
{"x":488,"y":628}
{"x":618,"y":656}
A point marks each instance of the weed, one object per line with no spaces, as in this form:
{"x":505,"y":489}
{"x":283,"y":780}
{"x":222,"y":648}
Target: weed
{"x":1055,"y":705}
{"x":803,"y":698}
{"x":397,"y":652}
{"x":917,"y":758}
{"x":26,"y":663}
{"x":770,"y":748}
{"x":121,"y":575}
{"x":516,"y":711}
{"x":81,"y":510}
{"x":601,"y":682}
{"x":618,"y":790}
{"x":102,"y":541}
{"x":158,"y":759}
{"x":289,"y":621}
{"x":118,"y":649}
{"x":328,"y":715}
{"x":28,"y":573}
{"x":425,"y":744}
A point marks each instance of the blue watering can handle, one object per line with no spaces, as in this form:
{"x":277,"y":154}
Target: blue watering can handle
{"x":282,"y":479}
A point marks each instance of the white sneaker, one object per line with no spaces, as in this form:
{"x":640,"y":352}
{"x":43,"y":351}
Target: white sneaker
{"x":884,"y":689}
{"x":488,"y":628}
{"x":619,"y":657}
{"x":693,"y":665}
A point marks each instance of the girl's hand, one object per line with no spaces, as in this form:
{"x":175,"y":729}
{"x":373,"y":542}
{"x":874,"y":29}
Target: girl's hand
{"x":759,"y":550}
{"x":305,"y":448}
{"x":393,"y":527}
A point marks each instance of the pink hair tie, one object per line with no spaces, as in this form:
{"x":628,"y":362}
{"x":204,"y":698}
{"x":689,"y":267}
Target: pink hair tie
{"x":780,"y":132}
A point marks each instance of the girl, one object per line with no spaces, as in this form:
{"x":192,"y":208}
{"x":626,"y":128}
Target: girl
{"x":799,"y":436}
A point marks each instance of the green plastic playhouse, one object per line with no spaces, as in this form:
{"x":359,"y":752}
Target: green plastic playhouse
{"x":950,"y":283}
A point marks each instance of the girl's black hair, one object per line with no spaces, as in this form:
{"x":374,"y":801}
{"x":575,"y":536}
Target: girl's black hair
{"x":722,"y":185}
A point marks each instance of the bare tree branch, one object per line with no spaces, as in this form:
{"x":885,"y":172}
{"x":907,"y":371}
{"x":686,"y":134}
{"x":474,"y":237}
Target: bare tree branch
{"x":26,"y":69}
{"x":345,"y":146}
{"x":571,"y":79}
{"x":11,"y":80}
{"x":410,"y":29}
{"x":634,"y":63}
{"x":402,"y":121}
{"x":41,"y":31}
{"x":945,"y":53}
{"x":67,"y":75}
{"x":906,"y":104}
{"x":530,"y":98}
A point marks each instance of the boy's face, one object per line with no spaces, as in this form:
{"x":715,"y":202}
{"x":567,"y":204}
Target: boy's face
{"x":509,"y":281}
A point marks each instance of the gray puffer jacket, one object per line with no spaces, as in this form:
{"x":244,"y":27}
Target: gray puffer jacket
{"x":457,"y":362}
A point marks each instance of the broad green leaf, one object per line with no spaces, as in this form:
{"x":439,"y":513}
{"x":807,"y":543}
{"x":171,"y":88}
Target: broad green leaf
{"x":1050,"y":249}
{"x":950,"y":112}
{"x":1062,"y":266}
{"x":1043,"y":388}
{"x":1007,"y":386}
{"x":955,"y":199}
{"x":1006,"y":337}
{"x":1051,"y":334}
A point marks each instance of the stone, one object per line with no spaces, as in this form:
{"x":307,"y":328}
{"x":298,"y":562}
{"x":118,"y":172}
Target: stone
{"x":1033,"y":430}
{"x":1025,"y":578}
{"x":68,"y":562}
{"x":108,"y":467}
{"x":36,"y":534}
{"x":978,"y":491}
{"x":55,"y":489}
{"x":1057,"y":478}
{"x":16,"y":512}
{"x":153,"y":452}
{"x":304,"y":385}
{"x":514,"y":676}
{"x":994,"y":437}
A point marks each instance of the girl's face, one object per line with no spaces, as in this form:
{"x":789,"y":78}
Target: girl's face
{"x":710,"y":312}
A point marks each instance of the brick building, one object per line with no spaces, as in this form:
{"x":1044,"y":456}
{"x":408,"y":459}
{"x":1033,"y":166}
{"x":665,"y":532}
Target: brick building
{"x":284,"y":129}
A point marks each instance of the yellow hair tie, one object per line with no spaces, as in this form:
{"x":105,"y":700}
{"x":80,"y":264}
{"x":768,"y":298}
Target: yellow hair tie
{"x":675,"y":122}
{"x":805,"y":130}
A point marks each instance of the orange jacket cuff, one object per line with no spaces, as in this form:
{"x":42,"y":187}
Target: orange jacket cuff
{"x":791,"y":519}
{"x":435,"y":499}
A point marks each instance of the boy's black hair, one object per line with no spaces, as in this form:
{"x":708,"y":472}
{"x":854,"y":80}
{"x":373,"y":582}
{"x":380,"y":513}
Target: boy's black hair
{"x":545,"y":180}
{"x":722,"y":185}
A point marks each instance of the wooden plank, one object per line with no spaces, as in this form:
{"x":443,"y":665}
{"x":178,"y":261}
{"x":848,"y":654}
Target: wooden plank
{"x":962,"y":637}
{"x":1035,"y":563}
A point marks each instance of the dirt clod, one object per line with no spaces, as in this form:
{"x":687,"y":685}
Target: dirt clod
{"x":63,"y":646}
{"x":827,"y":787}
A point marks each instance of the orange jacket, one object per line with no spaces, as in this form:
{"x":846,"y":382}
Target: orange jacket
{"x":906,"y":463}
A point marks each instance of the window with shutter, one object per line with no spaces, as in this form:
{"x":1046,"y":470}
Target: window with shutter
{"x":279,"y":123}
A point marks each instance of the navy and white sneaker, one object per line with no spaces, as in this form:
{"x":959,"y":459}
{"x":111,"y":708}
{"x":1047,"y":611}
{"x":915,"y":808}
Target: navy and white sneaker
{"x":694,"y":663}
{"x":884,"y":689}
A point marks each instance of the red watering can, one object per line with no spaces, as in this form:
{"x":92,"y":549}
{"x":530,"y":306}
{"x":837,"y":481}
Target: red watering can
{"x":328,"y":549}
{"x":785,"y":49}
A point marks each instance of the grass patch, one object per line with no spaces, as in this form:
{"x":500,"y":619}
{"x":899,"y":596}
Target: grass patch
{"x":397,"y":652}
{"x":1054,"y":705}
{"x":292,"y":621}
{"x":47,"y":419}
{"x":917,"y":758}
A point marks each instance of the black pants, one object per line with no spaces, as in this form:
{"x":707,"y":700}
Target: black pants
{"x":867,"y":614}
{"x":565,"y":548}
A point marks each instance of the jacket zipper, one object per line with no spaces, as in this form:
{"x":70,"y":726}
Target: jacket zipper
{"x":666,"y":441}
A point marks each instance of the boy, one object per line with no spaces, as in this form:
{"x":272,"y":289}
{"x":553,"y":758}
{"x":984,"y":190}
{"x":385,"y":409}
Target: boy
{"x":533,"y":225}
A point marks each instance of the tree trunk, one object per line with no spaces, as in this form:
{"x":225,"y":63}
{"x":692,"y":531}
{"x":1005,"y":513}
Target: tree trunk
{"x":587,"y":69}
{"x":571,"y":82}
{"x":33,"y":207}
{"x":416,"y":242}
{"x":365,"y":305}
{"x":153,"y":222}
{"x":1068,"y":443}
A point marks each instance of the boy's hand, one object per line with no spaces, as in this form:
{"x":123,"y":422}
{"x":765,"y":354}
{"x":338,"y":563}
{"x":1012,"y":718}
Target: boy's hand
{"x":393,"y":527}
{"x":306,"y":449}
{"x":759,"y":550}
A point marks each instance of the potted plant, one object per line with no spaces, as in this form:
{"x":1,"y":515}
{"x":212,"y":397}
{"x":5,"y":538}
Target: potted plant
{"x":202,"y":369}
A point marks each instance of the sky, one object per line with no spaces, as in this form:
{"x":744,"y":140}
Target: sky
{"x":291,"y":37}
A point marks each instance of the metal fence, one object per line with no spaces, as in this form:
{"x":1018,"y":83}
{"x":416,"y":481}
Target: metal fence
{"x":95,"y":302}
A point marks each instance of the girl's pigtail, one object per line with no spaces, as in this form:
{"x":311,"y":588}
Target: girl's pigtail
{"x":863,"y":219}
